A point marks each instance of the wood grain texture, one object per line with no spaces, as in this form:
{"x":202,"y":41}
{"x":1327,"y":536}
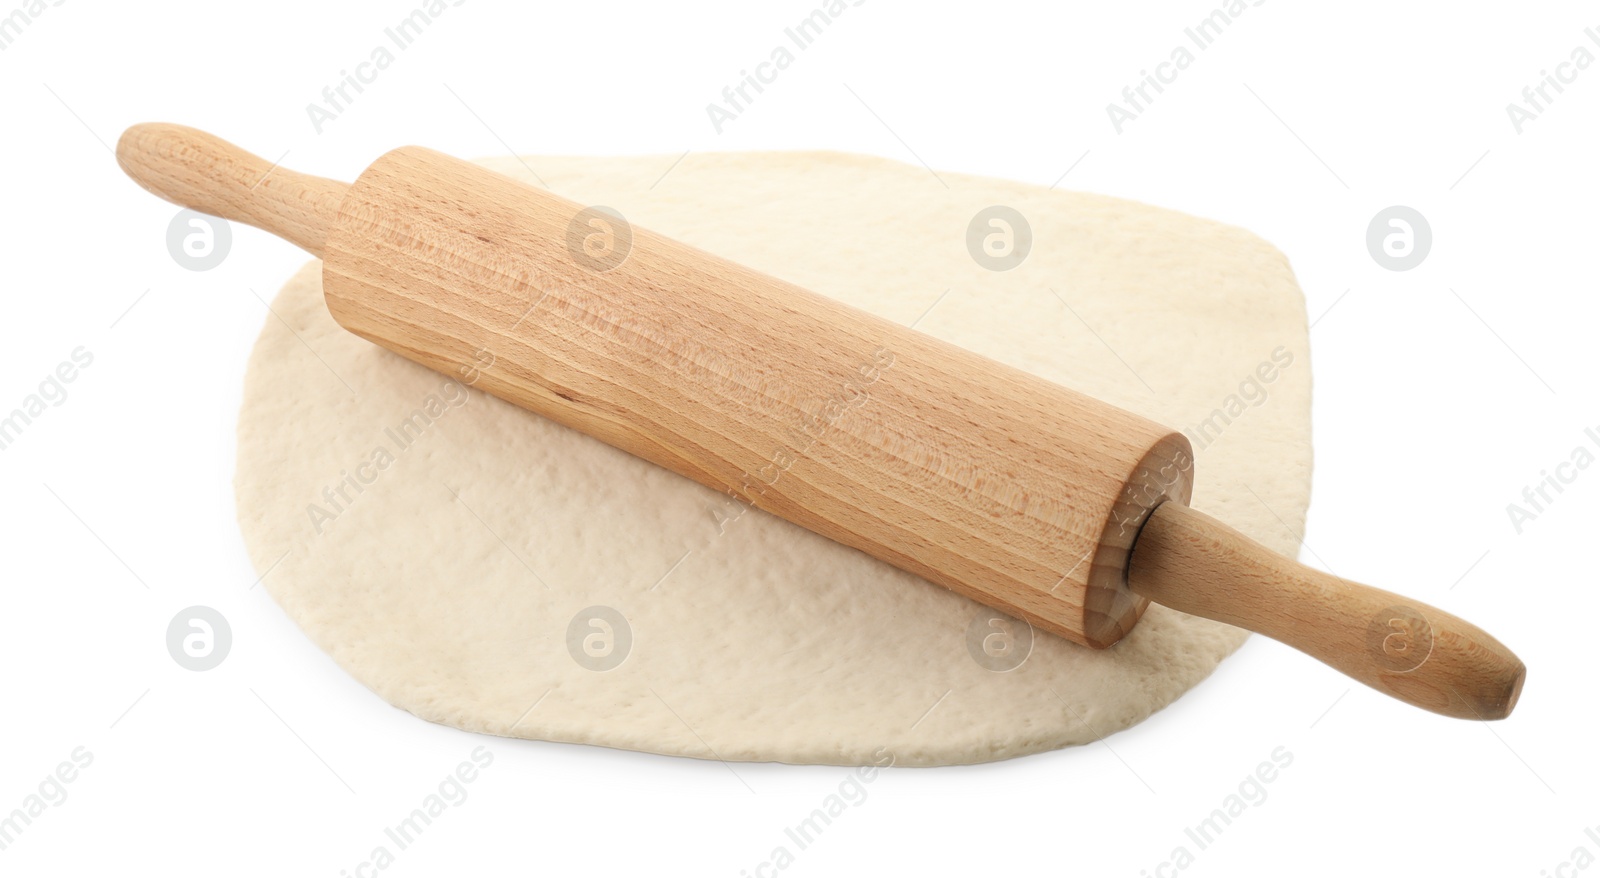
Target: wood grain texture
{"x":985,"y":479}
{"x":206,"y":173}
{"x":1191,"y":562}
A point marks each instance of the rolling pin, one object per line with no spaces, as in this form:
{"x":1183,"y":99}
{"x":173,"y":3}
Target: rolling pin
{"x":1047,"y":504}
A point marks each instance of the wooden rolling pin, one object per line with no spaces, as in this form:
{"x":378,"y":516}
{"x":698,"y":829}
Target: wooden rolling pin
{"x":1029,"y":497}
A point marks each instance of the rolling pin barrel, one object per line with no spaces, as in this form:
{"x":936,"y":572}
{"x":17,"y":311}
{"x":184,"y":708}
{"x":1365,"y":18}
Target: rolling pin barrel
{"x":1048,"y":504}
{"x":983,"y":478}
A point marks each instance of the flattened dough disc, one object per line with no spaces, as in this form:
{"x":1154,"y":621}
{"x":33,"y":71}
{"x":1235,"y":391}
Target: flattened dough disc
{"x":448,"y":549}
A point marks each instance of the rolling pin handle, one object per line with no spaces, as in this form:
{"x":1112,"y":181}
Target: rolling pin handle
{"x":206,"y":173}
{"x":1424,"y":656}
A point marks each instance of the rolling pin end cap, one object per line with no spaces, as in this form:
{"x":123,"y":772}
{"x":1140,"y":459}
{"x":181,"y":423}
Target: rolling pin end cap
{"x":1500,"y":705}
{"x":138,"y":144}
{"x":1516,"y":691}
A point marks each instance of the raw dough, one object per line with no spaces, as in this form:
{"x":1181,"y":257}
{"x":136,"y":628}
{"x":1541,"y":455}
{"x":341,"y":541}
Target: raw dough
{"x":456,"y":574}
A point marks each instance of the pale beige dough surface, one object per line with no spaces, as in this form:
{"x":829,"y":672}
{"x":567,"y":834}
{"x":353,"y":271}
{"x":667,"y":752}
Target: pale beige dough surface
{"x":448,"y":582}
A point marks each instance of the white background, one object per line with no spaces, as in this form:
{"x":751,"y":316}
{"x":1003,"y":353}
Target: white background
{"x":1439,"y":394}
